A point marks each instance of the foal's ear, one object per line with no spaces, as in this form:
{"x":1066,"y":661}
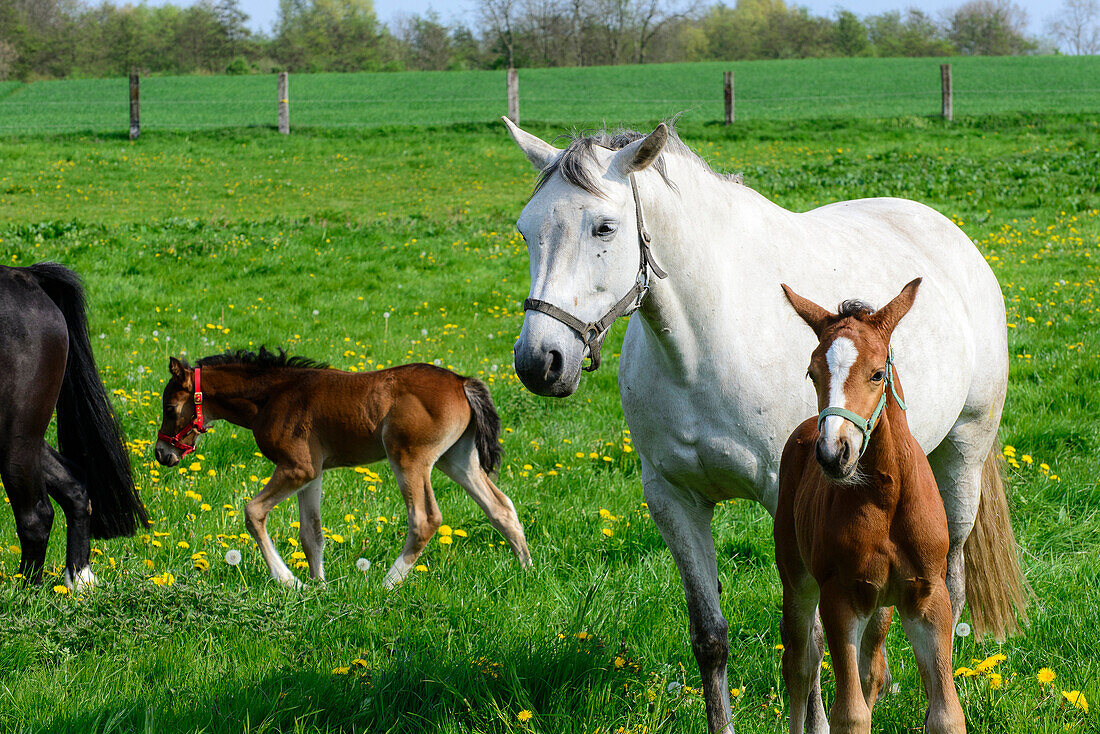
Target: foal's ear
{"x":887,"y":317}
{"x":179,"y":370}
{"x":537,"y":150}
{"x":814,"y":315}
{"x":641,"y":153}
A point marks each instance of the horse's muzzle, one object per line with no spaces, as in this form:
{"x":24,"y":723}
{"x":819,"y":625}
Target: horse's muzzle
{"x":838,"y":461}
{"x":165,"y":454}
{"x":550,"y":367}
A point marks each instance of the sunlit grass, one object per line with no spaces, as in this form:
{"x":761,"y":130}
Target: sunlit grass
{"x":197,"y":243}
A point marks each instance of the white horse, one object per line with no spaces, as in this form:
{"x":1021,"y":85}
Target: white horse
{"x":713,"y":346}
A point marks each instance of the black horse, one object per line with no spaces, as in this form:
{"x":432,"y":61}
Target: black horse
{"x":46,"y":361}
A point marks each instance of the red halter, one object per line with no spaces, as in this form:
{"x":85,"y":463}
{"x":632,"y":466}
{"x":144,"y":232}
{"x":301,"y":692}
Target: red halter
{"x":196,"y":424}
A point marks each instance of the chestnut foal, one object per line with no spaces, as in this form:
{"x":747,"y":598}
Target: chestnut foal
{"x":307,"y":418}
{"x":860,"y":528}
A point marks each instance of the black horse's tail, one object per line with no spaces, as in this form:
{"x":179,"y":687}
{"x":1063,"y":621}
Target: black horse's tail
{"x":88,"y":432}
{"x":486,"y":424}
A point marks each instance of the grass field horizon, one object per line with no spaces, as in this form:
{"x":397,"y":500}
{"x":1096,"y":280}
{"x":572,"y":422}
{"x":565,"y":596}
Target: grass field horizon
{"x":841,"y":88}
{"x":195,"y":242}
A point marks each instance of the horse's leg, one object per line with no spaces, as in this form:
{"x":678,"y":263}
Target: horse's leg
{"x":959,"y":479}
{"x":309,"y":527}
{"x":23,"y":479}
{"x":460,"y":463}
{"x":413,"y":471}
{"x":928,"y":624}
{"x":683,"y":518}
{"x":844,"y":630}
{"x":872,"y":661}
{"x":802,"y":651}
{"x":72,"y":496}
{"x":285,"y":481}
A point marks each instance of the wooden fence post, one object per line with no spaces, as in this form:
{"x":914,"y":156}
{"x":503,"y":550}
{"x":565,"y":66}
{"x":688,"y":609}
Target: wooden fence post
{"x":135,"y":106}
{"x":284,"y":104}
{"x":513,"y":95}
{"x":728,"y":79}
{"x":945,"y":84}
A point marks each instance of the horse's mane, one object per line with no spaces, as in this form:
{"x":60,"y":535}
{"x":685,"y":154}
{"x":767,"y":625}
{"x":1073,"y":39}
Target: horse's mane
{"x":570,"y":164}
{"x":262,"y":359}
{"x":854,"y":308}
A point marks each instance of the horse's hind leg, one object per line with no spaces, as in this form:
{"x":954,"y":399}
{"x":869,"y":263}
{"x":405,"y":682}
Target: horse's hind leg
{"x":309,"y":530}
{"x":413,"y":471}
{"x":72,"y":495}
{"x":461,"y":464}
{"x":22,"y":476}
{"x":872,"y":661}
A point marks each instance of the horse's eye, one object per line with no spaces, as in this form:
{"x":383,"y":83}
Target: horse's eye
{"x":605,"y":229}
{"x":877,"y":377}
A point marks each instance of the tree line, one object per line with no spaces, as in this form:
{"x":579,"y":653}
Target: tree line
{"x":76,"y":38}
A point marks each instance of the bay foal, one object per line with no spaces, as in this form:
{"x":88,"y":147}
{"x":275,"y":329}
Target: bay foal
{"x":860,"y":528}
{"x":307,"y":418}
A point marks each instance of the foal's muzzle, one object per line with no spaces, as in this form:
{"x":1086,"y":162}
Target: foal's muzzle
{"x":165,"y":454}
{"x":837,"y":461}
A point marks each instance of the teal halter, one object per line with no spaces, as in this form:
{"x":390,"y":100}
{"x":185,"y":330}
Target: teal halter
{"x":866,"y":425}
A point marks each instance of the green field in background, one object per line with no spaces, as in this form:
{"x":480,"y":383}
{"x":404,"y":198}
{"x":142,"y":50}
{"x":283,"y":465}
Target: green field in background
{"x":789,"y":89}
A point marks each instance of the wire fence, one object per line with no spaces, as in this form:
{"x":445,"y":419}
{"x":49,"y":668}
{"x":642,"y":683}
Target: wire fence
{"x":810,"y":89}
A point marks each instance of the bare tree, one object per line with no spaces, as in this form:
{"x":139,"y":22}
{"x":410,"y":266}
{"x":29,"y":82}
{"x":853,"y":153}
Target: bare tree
{"x":1077,"y":28}
{"x":499,"y":16}
{"x":651,"y":16}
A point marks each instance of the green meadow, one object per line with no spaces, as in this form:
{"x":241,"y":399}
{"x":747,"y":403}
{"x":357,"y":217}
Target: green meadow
{"x":195,"y":242}
{"x":765,"y":90}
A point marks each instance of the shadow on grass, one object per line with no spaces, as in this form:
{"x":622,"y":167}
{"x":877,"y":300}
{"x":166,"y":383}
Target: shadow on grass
{"x":565,"y":681}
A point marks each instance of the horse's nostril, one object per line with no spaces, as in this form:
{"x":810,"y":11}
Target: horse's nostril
{"x":822,"y":456}
{"x":554,"y":365}
{"x":844,"y":453}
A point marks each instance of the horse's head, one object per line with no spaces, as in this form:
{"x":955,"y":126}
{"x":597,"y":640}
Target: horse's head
{"x":582,"y":232}
{"x":852,"y":372}
{"x":180,"y":424}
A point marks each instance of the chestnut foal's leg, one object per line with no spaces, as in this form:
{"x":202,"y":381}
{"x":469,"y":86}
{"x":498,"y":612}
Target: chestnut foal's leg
{"x":802,"y":650}
{"x":460,"y":463}
{"x":309,"y":527}
{"x":872,"y":661}
{"x":413,"y":469}
{"x":285,"y":481}
{"x":929,"y":628}
{"x":844,"y":630}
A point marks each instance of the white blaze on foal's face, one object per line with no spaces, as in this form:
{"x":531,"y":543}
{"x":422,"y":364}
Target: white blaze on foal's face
{"x":839,"y":358}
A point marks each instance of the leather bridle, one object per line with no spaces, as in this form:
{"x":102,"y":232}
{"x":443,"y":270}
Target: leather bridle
{"x":196,"y":423}
{"x":593,"y":333}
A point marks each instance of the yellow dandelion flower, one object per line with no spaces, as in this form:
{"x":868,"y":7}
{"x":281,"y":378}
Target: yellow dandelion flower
{"x":460,"y":533}
{"x":340,"y":671}
{"x":986,"y":665}
{"x":445,"y":530}
{"x":524,"y":716}
{"x":608,"y":532}
{"x":421,"y":568}
{"x":61,"y":589}
{"x":735,"y":692}
{"x":995,"y":680}
{"x":1077,"y":699}
{"x":445,"y":539}
{"x":1045,"y":675}
{"x":619,"y":661}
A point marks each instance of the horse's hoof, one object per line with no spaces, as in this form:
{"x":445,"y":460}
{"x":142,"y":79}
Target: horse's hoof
{"x":84,"y":582}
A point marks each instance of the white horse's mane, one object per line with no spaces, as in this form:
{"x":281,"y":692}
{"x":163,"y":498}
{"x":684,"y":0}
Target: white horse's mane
{"x":571,"y":162}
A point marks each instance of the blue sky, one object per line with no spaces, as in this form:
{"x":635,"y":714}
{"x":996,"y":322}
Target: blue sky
{"x":263,"y":12}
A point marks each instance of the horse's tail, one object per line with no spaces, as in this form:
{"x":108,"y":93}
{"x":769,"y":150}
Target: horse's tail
{"x":88,"y":432}
{"x":995,"y":588}
{"x":486,"y":424}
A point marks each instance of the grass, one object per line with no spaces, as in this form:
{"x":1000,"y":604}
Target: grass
{"x":202,"y":241}
{"x":792,"y":89}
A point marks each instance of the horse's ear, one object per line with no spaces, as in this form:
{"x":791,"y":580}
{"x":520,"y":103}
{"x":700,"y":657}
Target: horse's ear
{"x":887,"y":317}
{"x":537,"y":150}
{"x":180,"y":371}
{"x":815,"y":316}
{"x":641,"y":153}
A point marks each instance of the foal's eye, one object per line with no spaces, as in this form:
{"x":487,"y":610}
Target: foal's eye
{"x":877,"y":377}
{"x":605,"y":229}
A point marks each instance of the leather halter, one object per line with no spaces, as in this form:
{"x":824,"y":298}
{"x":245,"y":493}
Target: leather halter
{"x":593,"y":333}
{"x":866,"y":425}
{"x":195,"y":425}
